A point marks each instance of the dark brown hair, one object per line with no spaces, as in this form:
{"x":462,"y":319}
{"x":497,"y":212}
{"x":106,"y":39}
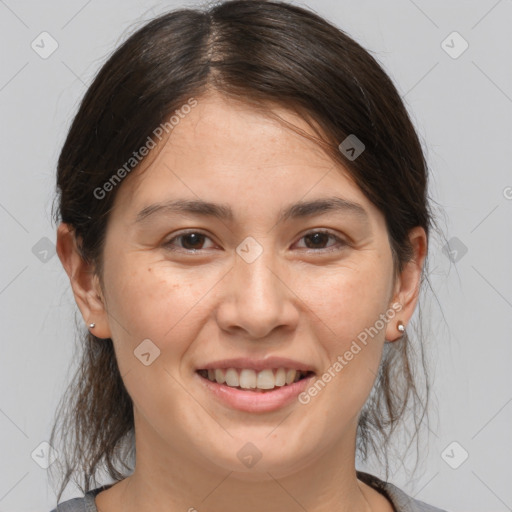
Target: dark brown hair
{"x":263,"y":53}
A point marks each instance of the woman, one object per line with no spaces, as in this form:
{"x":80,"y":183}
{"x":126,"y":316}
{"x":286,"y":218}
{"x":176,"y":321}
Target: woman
{"x":244,"y":221}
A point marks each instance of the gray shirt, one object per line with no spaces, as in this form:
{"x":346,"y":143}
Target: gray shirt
{"x":401,"y":501}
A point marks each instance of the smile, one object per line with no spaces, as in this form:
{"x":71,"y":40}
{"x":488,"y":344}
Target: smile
{"x":249,"y":379}
{"x":265,"y":391}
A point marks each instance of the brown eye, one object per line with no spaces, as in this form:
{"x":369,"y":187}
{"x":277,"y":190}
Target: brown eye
{"x":191,"y":241}
{"x":319,"y":239}
{"x":316,"y":240}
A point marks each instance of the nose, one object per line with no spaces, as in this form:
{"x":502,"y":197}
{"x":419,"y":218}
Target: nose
{"x":257,"y":298}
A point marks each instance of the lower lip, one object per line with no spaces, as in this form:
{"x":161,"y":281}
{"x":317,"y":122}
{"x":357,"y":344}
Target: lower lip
{"x":253,"y":401}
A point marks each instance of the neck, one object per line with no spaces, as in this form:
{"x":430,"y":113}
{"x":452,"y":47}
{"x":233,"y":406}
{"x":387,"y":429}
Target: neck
{"x":181,"y":479}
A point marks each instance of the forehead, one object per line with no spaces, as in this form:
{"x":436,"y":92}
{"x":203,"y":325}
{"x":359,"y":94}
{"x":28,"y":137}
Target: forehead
{"x":231,"y":133}
{"x":228,"y":151}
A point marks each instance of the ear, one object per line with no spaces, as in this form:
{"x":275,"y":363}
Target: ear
{"x":407,"y":286}
{"x":84,"y":282}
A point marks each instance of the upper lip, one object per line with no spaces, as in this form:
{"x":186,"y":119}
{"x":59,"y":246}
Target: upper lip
{"x":258,"y":364}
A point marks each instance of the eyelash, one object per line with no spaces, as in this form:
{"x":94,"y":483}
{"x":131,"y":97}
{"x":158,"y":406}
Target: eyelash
{"x":168,"y":244}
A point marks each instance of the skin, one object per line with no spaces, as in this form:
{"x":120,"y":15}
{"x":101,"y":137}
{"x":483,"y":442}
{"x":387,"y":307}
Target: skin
{"x":301,"y":298}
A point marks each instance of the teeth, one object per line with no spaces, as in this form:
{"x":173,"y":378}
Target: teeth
{"x":290,"y":376}
{"x":281,"y":377}
{"x":266,"y":379}
{"x":250,"y":379}
{"x":232,"y":378}
{"x":219,"y":376}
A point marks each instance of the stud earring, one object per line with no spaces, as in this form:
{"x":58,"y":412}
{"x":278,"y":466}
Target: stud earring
{"x":400,"y":326}
{"x":92,"y":326}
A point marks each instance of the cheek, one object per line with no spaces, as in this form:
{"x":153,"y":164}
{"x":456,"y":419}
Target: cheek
{"x":350,"y":304}
{"x":151,"y":300}
{"x":348,"y":301}
{"x":147,"y":303}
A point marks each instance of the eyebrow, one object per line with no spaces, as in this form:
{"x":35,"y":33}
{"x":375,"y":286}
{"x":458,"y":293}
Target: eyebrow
{"x":220,"y":211}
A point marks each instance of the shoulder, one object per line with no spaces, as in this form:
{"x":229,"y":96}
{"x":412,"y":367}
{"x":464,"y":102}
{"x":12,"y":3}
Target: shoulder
{"x":401,"y":501}
{"x":83,"y":504}
{"x":74,"y":505}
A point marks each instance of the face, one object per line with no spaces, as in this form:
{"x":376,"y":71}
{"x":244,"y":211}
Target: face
{"x":185,"y":289}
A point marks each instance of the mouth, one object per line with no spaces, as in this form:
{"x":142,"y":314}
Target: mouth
{"x":246,"y":379}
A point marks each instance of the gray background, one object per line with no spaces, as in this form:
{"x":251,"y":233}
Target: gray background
{"x":461,"y":107}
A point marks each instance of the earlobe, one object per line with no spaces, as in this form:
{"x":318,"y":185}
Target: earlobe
{"x":394,"y":331}
{"x":84,"y":282}
{"x":408,"y":285}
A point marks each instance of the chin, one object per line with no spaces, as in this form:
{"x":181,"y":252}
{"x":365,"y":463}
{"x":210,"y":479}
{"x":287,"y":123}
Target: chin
{"x":246,"y":462}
